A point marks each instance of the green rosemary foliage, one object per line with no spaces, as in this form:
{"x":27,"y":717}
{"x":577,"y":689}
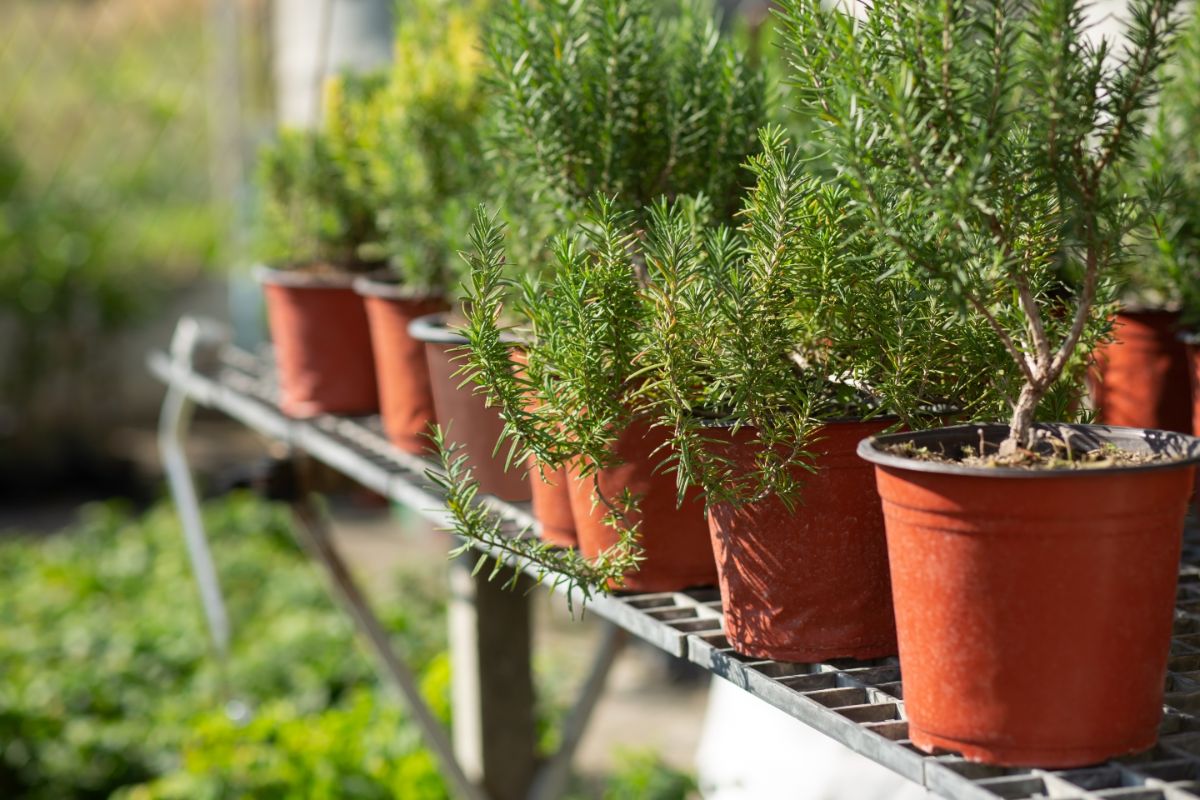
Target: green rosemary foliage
{"x":983,"y":142}
{"x":632,"y":99}
{"x":581,"y":333}
{"x":791,"y":323}
{"x":1166,"y":273}
{"x":317,"y":199}
{"x":424,"y":156}
{"x":482,"y":529}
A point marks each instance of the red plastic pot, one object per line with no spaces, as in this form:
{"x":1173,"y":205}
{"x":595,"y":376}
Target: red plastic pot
{"x":675,"y":540}
{"x":808,"y":585}
{"x":464,"y":414}
{"x":552,"y":506}
{"x":1034,"y":608}
{"x":551,"y":495}
{"x":1193,"y":356}
{"x":322,"y":343}
{"x":1141,"y":377}
{"x":405,"y":397}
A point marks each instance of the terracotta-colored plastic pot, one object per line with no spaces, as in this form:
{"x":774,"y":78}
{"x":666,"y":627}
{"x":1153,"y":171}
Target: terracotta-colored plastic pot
{"x":322,"y":343}
{"x":552,"y":506}
{"x":405,"y":399}
{"x":674,"y":538}
{"x":464,"y":414}
{"x":551,"y":495}
{"x":1140,"y":379}
{"x":812,"y":584}
{"x":1034,"y":608}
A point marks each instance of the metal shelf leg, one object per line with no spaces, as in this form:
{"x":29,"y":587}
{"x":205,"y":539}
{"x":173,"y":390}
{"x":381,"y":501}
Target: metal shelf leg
{"x":313,"y":531}
{"x":490,"y":648}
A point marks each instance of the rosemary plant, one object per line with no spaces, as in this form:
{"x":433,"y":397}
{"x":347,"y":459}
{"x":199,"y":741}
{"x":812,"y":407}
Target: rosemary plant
{"x":317,"y":199}
{"x":790,"y":323}
{"x":632,"y":99}
{"x":983,"y":142}
{"x":424,"y":155}
{"x":482,"y":530}
{"x":1166,"y":273}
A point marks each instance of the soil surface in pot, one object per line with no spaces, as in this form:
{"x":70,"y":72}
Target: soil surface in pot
{"x":1052,"y":451}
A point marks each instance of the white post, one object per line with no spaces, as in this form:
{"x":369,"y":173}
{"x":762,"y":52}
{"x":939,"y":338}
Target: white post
{"x":318,"y":38}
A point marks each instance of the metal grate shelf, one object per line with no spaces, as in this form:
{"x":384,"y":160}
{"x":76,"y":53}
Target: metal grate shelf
{"x":860,"y":704}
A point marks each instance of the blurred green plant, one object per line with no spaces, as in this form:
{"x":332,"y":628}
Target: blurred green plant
{"x":1164,"y":270}
{"x":318,"y":200}
{"x":105,"y":205}
{"x":108,"y":687}
{"x":632,"y":99}
{"x":643,"y":775}
{"x":107,"y":675}
{"x":423,"y":149}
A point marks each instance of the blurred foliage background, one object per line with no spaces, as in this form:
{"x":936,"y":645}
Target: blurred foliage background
{"x":105,"y":206}
{"x":108,"y":688}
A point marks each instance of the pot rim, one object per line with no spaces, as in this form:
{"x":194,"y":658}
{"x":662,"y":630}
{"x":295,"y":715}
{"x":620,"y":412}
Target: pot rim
{"x":1146,"y":310}
{"x":1144,"y":440}
{"x":296,"y":279}
{"x":386,"y":284}
{"x":433,"y":328}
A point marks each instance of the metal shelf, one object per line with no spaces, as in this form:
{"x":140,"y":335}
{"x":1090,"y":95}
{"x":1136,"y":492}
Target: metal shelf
{"x":860,"y":704}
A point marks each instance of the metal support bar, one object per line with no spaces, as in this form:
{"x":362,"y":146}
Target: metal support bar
{"x":551,"y":781}
{"x":314,"y":535}
{"x":174,"y":420}
{"x":493,"y":698}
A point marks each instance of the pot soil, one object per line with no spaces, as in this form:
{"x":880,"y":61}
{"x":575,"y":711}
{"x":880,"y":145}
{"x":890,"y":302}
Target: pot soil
{"x":1034,"y":607}
{"x":405,"y":397}
{"x":675,"y":541}
{"x":322,"y":343}
{"x":463,"y":414}
{"x":812,"y":584}
{"x":1141,"y":377}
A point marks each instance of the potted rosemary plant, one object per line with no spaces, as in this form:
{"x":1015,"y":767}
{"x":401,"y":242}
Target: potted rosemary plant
{"x":1033,"y":564}
{"x":635,"y":99}
{"x":770,"y":353}
{"x":580,"y":332}
{"x":1166,"y":269}
{"x":317,"y":217}
{"x":424,"y":163}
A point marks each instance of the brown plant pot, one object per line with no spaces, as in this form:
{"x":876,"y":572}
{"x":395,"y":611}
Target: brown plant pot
{"x":405,"y":397}
{"x":808,"y":585}
{"x":464,"y":414}
{"x":678,"y":552}
{"x":322,"y":343}
{"x":1034,"y":608}
{"x":552,"y":506}
{"x":551,"y":495}
{"x":1140,"y":379}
